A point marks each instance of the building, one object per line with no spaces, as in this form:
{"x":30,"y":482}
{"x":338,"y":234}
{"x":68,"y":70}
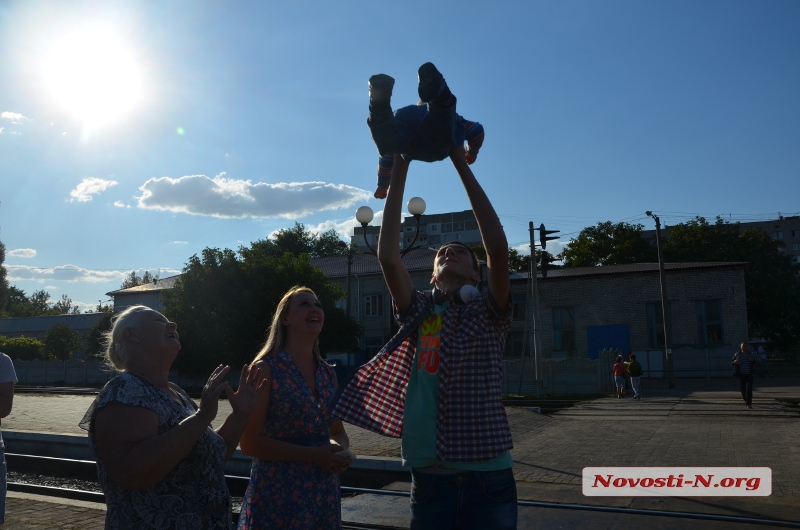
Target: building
{"x":149,"y":294}
{"x":785,"y":229}
{"x":433,"y":231}
{"x":582,"y":310}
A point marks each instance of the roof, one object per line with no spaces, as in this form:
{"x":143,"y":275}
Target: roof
{"x":364,"y":263}
{"x":157,"y":285}
{"x":634,"y":268}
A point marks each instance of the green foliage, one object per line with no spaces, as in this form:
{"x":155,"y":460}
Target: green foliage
{"x":95,"y":342}
{"x":65,"y":307}
{"x":60,"y":342}
{"x":17,"y":304}
{"x":133,"y":280}
{"x":772,"y":285}
{"x":22,"y":348}
{"x":608,"y":243}
{"x":297,"y":241}
{"x":224,"y":301}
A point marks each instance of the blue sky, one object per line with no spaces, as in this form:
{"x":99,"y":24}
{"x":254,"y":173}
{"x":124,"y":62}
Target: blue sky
{"x":135,"y":134}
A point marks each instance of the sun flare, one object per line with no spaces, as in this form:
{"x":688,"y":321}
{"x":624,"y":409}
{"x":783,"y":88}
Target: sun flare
{"x":93,"y":76}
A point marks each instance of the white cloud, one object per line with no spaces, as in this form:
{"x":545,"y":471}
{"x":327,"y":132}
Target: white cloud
{"x":73,"y":273}
{"x":1,"y":130}
{"x":180,"y":242}
{"x":22,"y":253}
{"x":15,"y":117}
{"x":120,"y":204}
{"x":230,"y":198}
{"x":90,"y":186}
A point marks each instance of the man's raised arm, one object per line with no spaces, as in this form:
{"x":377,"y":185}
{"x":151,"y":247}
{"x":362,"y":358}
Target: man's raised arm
{"x":492,"y":234}
{"x":394,"y":272}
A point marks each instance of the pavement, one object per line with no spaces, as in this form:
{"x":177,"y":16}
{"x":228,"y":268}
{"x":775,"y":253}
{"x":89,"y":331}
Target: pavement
{"x":699,"y":422}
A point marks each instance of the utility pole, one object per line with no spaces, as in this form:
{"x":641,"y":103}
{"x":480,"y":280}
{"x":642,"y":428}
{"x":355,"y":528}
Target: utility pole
{"x":536,"y":342}
{"x":666,"y":317}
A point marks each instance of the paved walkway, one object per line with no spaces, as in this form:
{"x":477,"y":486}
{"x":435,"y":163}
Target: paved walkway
{"x":701,"y":422}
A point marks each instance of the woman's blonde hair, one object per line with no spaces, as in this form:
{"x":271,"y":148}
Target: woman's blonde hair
{"x":276,"y":339}
{"x":115,"y":355}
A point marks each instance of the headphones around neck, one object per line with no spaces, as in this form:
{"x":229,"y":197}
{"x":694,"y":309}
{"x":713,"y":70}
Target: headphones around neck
{"x":461,"y":296}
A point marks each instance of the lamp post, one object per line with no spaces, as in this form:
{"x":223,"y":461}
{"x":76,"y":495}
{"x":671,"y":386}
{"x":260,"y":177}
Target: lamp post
{"x":665,"y":316}
{"x":364,"y":215}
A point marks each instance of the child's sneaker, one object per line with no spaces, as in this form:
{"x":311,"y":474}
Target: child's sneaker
{"x":380,"y":88}
{"x":431,"y":83}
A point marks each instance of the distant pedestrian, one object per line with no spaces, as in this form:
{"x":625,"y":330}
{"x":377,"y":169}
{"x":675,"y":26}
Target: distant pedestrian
{"x":7,"y":379}
{"x":635,"y":370}
{"x":763,"y":369}
{"x":745,"y":360}
{"x":619,"y":376}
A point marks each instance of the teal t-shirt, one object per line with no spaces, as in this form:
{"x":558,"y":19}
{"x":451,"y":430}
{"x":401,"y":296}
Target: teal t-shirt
{"x":418,"y":446}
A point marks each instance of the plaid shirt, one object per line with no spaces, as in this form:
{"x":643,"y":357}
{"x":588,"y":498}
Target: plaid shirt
{"x":471,"y":421}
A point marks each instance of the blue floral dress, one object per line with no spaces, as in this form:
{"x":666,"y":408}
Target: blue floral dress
{"x":193,"y":495}
{"x":294,"y":494}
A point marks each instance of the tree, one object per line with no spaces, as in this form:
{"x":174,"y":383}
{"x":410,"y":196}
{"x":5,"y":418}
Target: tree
{"x":17,"y":304}
{"x":60,"y":342}
{"x":39,"y":303}
{"x":772,"y":286}
{"x":609,"y":243}
{"x":133,"y":280}
{"x":224,"y":301}
{"x":65,"y":307}
{"x":297,"y":241}
{"x":95,"y":340}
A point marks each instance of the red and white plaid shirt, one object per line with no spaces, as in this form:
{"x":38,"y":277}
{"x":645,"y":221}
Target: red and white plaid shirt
{"x":471,"y":421}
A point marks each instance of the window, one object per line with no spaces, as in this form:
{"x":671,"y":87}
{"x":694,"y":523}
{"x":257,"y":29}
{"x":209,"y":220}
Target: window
{"x":435,"y":240}
{"x":409,"y":229}
{"x":458,"y":226}
{"x":518,"y":311}
{"x":373,"y":345}
{"x":515,"y":345}
{"x":422,"y":228}
{"x":709,"y":321}
{"x":423,"y":240}
{"x":434,"y":228}
{"x":564,"y":329}
{"x":795,"y":233}
{"x":777,"y":235}
{"x":655,"y":324}
{"x":445,"y":227}
{"x":795,"y":246}
{"x":373,"y":305}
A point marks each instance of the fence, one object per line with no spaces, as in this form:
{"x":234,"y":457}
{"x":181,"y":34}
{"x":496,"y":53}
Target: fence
{"x":91,"y":373}
{"x":582,"y":376}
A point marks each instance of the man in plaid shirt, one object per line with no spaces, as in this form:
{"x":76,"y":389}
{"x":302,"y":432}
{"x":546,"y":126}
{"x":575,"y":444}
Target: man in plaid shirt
{"x":437,"y":383}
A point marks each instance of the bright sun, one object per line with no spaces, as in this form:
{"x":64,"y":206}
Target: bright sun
{"x":94,"y":76}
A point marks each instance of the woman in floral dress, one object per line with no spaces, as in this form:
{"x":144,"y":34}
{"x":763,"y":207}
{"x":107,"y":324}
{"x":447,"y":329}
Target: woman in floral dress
{"x":158,"y":459}
{"x":294,"y":481}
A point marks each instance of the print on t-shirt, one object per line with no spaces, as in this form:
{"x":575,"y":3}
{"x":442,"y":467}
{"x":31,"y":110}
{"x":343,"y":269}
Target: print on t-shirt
{"x":430,"y":340}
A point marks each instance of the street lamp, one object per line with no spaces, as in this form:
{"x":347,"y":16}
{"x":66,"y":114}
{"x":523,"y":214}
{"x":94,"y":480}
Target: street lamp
{"x":665,"y":316}
{"x":364,"y":215}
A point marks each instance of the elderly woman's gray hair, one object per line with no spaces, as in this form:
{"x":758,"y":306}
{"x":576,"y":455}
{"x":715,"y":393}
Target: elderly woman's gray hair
{"x":116,"y":356}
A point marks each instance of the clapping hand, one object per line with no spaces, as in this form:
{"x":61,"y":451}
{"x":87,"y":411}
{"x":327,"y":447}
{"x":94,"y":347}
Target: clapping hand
{"x":246,"y":397}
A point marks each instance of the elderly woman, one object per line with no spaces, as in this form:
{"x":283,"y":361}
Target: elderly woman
{"x":158,"y":459}
{"x":292,"y":434}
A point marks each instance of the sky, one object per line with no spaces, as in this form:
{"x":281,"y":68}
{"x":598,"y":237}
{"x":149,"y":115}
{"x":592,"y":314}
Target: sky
{"x":135,"y":134}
